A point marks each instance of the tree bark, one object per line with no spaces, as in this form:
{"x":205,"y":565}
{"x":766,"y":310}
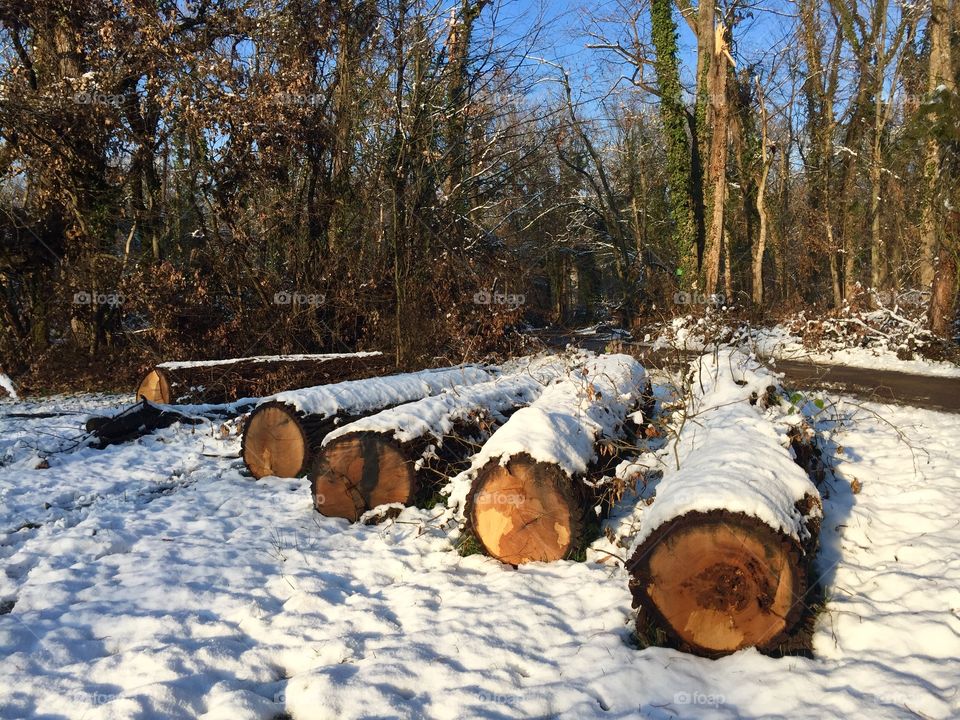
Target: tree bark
{"x":943,"y":298}
{"x":673,"y":115}
{"x":717,"y":167}
{"x":284,"y":433}
{"x":528,"y":500}
{"x":218,"y":381}
{"x":761,"y":243}
{"x":940,"y":74}
{"x":401,"y":454}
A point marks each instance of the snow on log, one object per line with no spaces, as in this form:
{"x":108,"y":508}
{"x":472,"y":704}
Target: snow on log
{"x":399,"y":454}
{"x":223,"y":381}
{"x":7,"y":387}
{"x":285,"y":430}
{"x":721,"y":559}
{"x":528,"y":500}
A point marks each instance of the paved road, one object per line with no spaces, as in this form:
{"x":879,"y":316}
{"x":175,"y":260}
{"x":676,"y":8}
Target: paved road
{"x":926,"y":391}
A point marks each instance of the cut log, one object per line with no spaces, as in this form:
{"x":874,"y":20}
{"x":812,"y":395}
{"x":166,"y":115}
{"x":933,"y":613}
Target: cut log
{"x":721,"y":559}
{"x":401,"y":454}
{"x":136,"y":421}
{"x":285,"y":431}
{"x":224,"y":381}
{"x":528,"y":500}
{"x":361,"y":471}
{"x":528,"y":510}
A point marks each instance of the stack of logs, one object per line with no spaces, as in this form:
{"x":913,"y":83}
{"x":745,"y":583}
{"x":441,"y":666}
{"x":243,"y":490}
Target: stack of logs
{"x":285,"y":431}
{"x":721,"y":560}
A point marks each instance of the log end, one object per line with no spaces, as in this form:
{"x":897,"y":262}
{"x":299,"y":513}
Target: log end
{"x":717,"y":582}
{"x":525,"y":511}
{"x":154,"y":388}
{"x":361,"y":471}
{"x":274,"y":442}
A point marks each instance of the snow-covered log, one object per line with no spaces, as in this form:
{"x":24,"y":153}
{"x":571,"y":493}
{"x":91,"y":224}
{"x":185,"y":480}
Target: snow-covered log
{"x":285,"y":431}
{"x":528,"y":500}
{"x":400,"y":454}
{"x":7,"y":387}
{"x":224,"y":381}
{"x":721,"y":559}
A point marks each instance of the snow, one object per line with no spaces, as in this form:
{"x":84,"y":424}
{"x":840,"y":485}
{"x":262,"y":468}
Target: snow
{"x":562,"y":425}
{"x":177,"y":364}
{"x":779,"y":343}
{"x":162,"y":583}
{"x":863,"y":339}
{"x":357,"y":396}
{"x":436,"y":416}
{"x":7,"y":384}
{"x":728,"y":454}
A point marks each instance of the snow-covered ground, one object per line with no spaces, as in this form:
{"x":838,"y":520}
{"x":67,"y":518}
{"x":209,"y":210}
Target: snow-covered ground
{"x":781,"y":344}
{"x":154,"y":580}
{"x":877,"y":340}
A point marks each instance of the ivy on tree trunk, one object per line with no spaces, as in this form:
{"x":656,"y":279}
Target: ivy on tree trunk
{"x":673,"y":116}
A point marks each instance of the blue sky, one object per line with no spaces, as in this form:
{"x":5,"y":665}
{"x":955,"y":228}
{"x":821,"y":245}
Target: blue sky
{"x":593,"y":72}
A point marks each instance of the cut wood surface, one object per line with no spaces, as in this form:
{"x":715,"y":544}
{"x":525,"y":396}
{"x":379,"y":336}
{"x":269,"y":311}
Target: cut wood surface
{"x":401,"y":453}
{"x":285,"y":431}
{"x":721,"y":559}
{"x":528,"y":500}
{"x":223,"y":381}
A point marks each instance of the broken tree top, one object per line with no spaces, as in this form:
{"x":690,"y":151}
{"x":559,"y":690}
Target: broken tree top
{"x":731,"y":457}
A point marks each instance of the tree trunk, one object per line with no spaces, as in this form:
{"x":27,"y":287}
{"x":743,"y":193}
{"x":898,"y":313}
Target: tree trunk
{"x":721,"y":557}
{"x":718,"y":581}
{"x":528,"y":501}
{"x":943,"y":298}
{"x":940,"y":73}
{"x":286,"y":431}
{"x":135,"y":422}
{"x":673,"y":115}
{"x":399,"y":455}
{"x":527,"y":510}
{"x":223,"y":381}
{"x":761,"y":244}
{"x":717,"y":169}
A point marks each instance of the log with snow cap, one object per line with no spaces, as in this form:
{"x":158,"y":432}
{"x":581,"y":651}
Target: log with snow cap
{"x":720,"y":561}
{"x":285,"y":430}
{"x":400,"y":454}
{"x":225,"y":381}
{"x":528,"y":501}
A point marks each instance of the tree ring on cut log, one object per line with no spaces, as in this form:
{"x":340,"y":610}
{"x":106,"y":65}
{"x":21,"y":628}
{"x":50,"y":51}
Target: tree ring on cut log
{"x":154,"y":387}
{"x":274,"y":442}
{"x":717,"y":582}
{"x":525,"y":511}
{"x":360,"y":471}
